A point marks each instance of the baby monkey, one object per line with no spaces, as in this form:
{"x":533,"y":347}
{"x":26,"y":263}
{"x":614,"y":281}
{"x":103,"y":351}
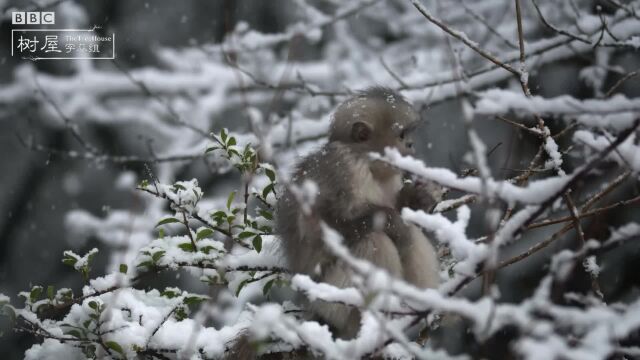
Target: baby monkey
{"x":361,"y":198}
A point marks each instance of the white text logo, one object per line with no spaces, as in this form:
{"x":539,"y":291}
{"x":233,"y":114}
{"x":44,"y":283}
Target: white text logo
{"x":33,"y":18}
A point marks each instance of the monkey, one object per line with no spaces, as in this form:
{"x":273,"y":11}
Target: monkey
{"x":361,"y":198}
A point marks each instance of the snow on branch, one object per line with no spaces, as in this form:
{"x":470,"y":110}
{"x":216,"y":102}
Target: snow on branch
{"x":534,"y":193}
{"x":617,"y":112}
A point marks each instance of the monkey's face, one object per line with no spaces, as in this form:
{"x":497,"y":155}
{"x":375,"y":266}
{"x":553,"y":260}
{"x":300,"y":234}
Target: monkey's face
{"x":385,"y":129}
{"x":374,"y":121}
{"x":391,"y":127}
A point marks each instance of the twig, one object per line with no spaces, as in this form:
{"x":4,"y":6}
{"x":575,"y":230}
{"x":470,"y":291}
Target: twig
{"x":185,"y":222}
{"x":145,"y":90}
{"x":488,"y":26}
{"x":164,"y":320}
{"x":575,"y":216}
{"x":195,"y":216}
{"x":523,"y":79}
{"x":620,"y":82}
{"x":541,"y":245}
{"x":579,"y":173}
{"x":533,"y":131}
{"x":628,"y":9}
{"x":341,"y":14}
{"x":393,"y":74}
{"x":463,"y":38}
{"x":67,"y":122}
{"x":555,"y":29}
{"x":586,"y":214}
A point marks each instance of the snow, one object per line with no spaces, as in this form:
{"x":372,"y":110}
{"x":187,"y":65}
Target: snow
{"x":536,"y":192}
{"x":106,"y":282}
{"x":82,"y":261}
{"x":626,"y":154}
{"x":449,"y":204}
{"x":446,"y":232}
{"x":326,"y":292}
{"x":551,"y":148}
{"x":51,"y":349}
{"x":591,"y":266}
{"x":593,"y":112}
{"x":183,"y":194}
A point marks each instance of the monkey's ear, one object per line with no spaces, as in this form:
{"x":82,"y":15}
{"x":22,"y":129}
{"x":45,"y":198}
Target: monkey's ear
{"x":360,"y":132}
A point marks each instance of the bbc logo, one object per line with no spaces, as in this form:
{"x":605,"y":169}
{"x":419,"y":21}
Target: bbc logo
{"x":33,"y":18}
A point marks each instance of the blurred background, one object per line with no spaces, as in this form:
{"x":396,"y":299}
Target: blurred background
{"x":76,"y":136}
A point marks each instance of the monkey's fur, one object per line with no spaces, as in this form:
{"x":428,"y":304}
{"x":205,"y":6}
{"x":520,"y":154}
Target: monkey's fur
{"x":354,"y":193}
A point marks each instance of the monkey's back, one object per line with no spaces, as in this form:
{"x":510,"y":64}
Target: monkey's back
{"x":330,"y":169}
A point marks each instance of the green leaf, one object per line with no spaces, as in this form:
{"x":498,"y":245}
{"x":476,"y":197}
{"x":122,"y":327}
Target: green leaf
{"x":168,"y":220}
{"x":170,"y":293}
{"x":65,"y":294}
{"x":267,"y":287}
{"x":207,"y":249}
{"x":230,"y":199}
{"x":246,"y":234}
{"x":223,"y":135}
{"x":266,"y":214}
{"x":242,"y":284}
{"x":93,"y":305}
{"x":145,"y":264}
{"x":204,"y":233}
{"x":267,"y":190}
{"x":194,"y":300}
{"x":157,"y":256}
{"x":36,"y":291}
{"x":124,"y":268}
{"x":186,"y":247}
{"x":161,"y":233}
{"x":210,"y":149}
{"x":179,"y":187}
{"x":180,"y":314}
{"x":257,"y":243}
{"x":219,"y":215}
{"x":51,"y":292}
{"x":270,"y":174}
{"x":232,"y":141}
{"x":144,"y":183}
{"x":115,"y":347}
{"x":69,"y":259}
{"x":75,"y":333}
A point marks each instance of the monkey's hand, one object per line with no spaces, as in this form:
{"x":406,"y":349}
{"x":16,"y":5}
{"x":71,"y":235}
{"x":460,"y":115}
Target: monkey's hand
{"x":373,"y":218}
{"x":419,"y":195}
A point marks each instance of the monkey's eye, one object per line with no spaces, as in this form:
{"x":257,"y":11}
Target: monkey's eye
{"x":402,"y":134}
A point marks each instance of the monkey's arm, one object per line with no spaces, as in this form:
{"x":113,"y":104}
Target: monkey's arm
{"x":371,"y":218}
{"x":419,"y":195}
